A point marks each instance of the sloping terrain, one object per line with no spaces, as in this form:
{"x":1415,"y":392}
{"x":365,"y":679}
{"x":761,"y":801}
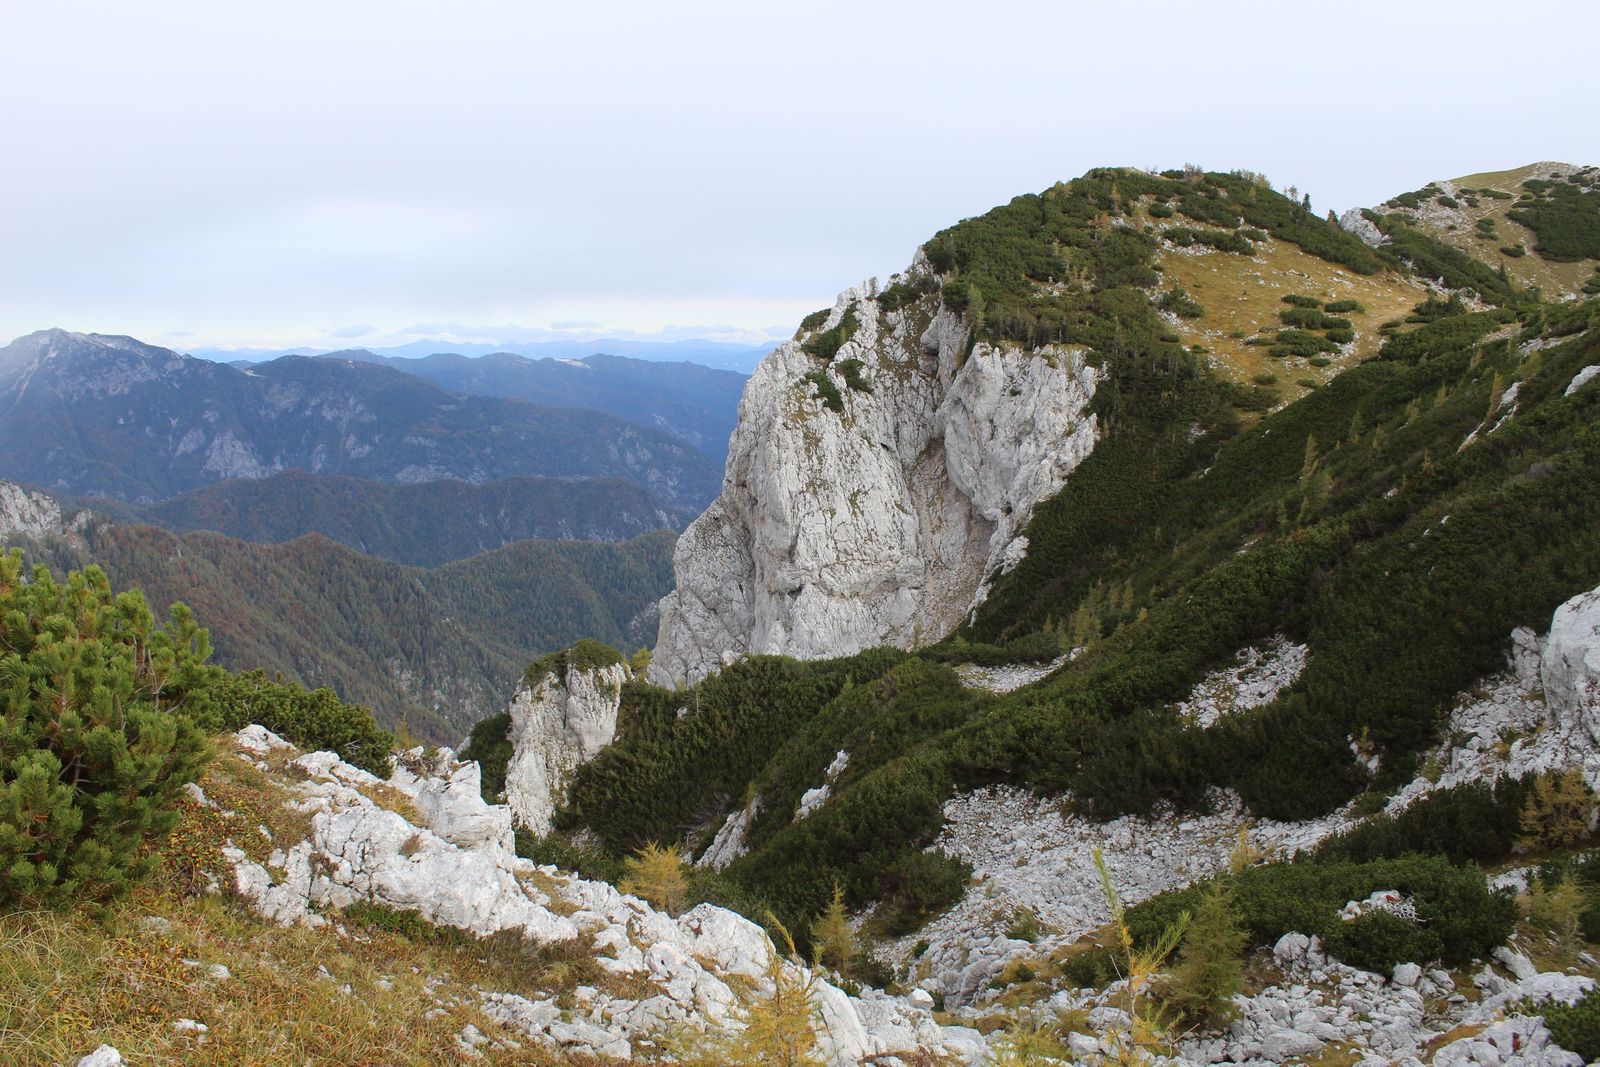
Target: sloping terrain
{"x":425,"y":524}
{"x":1536,"y":223}
{"x":1449,"y":477}
{"x":435,"y":649}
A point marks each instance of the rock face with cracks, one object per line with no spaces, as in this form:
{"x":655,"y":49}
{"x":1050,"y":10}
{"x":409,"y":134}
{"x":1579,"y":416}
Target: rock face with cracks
{"x":869,"y":495}
{"x":559,"y":721}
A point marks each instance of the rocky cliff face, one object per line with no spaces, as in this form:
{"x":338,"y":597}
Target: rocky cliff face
{"x":1570,"y":664}
{"x":24,"y":513}
{"x":868,"y":496}
{"x":559,"y":721}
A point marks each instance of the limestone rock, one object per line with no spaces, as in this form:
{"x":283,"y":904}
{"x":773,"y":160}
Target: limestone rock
{"x":729,"y":844}
{"x":1570,"y":668}
{"x":877,"y":523}
{"x":449,"y":795}
{"x":559,"y":721}
{"x":104,"y":1056}
{"x":25,"y":513}
{"x":1353,"y":221}
{"x":1582,"y":378}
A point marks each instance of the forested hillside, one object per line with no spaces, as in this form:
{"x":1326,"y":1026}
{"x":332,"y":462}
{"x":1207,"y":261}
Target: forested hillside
{"x":434,"y":649}
{"x":425,"y":524}
{"x":1399,"y":518}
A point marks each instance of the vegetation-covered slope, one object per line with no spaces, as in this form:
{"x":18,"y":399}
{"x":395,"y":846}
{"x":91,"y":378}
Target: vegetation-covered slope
{"x":1400,"y":520}
{"x":436,"y":649}
{"x":1539,"y":225}
{"x":425,"y":525}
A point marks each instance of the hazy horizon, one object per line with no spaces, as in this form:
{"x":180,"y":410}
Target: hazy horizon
{"x":367,"y":175}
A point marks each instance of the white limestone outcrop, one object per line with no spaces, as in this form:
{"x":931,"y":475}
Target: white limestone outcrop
{"x":560,"y":720}
{"x":878,"y":523}
{"x":25,"y":513}
{"x":1570,"y":664}
{"x":422,"y":842}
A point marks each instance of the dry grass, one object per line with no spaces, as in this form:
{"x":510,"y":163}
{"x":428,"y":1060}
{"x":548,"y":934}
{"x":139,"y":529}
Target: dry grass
{"x":1524,"y":270}
{"x":1242,"y":296}
{"x":375,"y":988}
{"x":69,"y":982}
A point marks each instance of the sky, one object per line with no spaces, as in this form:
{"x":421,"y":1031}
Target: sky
{"x":346,"y":172}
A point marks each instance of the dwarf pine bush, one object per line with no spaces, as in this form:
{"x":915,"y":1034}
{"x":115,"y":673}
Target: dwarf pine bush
{"x":97,"y":731}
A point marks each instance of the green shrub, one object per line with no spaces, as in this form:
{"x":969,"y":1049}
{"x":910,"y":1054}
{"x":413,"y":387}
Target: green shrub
{"x":1472,"y":823}
{"x":1300,"y":301}
{"x":850,"y":369}
{"x":1181,"y":304}
{"x":1564,"y":217}
{"x":1514,"y":251}
{"x":899,"y":295}
{"x":1378,"y":940}
{"x":815,"y":320}
{"x":99,"y":732}
{"x":490,"y":745}
{"x":1295,"y":342}
{"x":315,"y":720}
{"x":825,"y":345}
{"x":918,"y":887}
{"x":1340,"y":335}
{"x":1461,"y":919}
{"x":826,"y":391}
{"x":1575,"y":1028}
{"x":1344,"y":307}
{"x":1094,"y":969}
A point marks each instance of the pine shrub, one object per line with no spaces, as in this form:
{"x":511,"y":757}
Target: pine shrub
{"x":97,"y":732}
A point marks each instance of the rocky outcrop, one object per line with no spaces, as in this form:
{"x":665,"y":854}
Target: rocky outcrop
{"x":25,"y":513}
{"x":1570,"y":664}
{"x":423,"y":842}
{"x":869,"y":496}
{"x":560,"y":719}
{"x":1357,"y":223}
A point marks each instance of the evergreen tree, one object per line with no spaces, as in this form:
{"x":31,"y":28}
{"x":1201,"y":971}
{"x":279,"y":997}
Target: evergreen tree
{"x":97,"y":731}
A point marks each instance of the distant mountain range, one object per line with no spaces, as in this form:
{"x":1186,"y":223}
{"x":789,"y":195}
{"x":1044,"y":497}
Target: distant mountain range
{"x":715,"y":354}
{"x":691,"y":402}
{"x":97,"y":415}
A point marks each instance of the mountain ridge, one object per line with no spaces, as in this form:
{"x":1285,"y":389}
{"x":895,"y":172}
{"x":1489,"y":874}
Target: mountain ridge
{"x":133,"y":421}
{"x":695,"y":403}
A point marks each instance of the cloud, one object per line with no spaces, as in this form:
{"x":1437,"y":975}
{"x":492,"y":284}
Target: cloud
{"x":360,"y":330}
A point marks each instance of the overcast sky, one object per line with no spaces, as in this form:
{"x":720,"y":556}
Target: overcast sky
{"x":343,"y":172}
